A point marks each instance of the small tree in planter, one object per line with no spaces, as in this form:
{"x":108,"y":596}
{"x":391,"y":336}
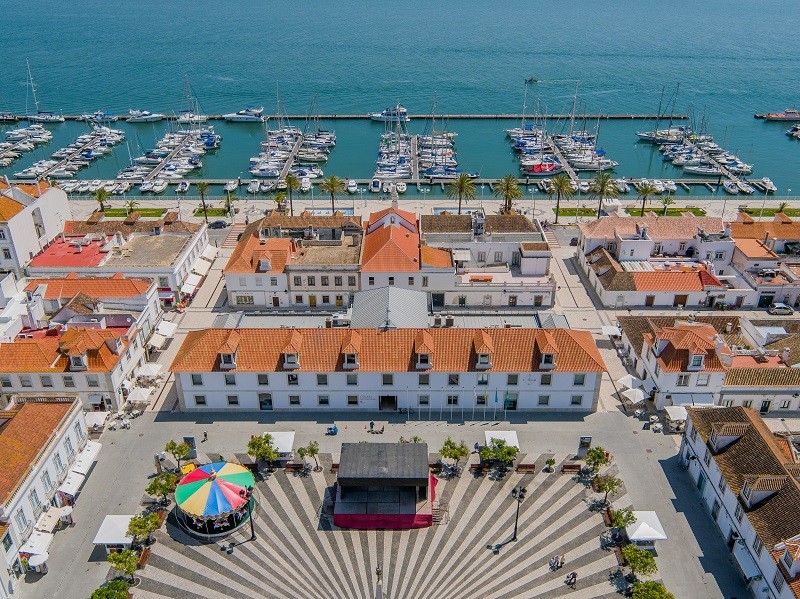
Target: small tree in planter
{"x":126,"y":561}
{"x":550,"y":462}
{"x":113,"y":589}
{"x":162,"y":485}
{"x":260,"y":447}
{"x":312,"y":451}
{"x":608,"y":485}
{"x":499,"y":451}
{"x":651,"y":589}
{"x":622,"y":518}
{"x":179,"y":451}
{"x":451,"y":450}
{"x":596,"y":458}
{"x":640,"y":561}
{"x":142,"y":526}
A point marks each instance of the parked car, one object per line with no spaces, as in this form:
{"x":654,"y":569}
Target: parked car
{"x":218,"y":224}
{"x":573,"y":241}
{"x":781,"y":309}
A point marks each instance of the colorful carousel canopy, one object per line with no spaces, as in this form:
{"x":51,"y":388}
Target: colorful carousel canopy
{"x":213,"y":490}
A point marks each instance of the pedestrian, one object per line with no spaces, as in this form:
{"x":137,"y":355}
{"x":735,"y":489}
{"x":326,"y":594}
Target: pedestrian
{"x":246,"y":220}
{"x":205,"y":436}
{"x":477,"y":447}
{"x":561,"y":561}
{"x":371,"y":426}
{"x":572,"y":580}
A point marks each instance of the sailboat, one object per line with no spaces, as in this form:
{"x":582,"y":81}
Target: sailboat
{"x":41,"y":116}
{"x":193,"y":114}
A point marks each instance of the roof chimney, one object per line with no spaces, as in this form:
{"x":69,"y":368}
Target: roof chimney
{"x":727,"y":229}
{"x":785,"y":355}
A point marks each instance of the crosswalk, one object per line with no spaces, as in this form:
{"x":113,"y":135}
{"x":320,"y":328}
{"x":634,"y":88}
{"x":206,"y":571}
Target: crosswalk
{"x":232,"y":238}
{"x":298,"y":552}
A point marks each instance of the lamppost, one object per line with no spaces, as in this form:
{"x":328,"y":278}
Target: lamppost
{"x":517,"y":493}
{"x":247,"y":494}
{"x":533,"y":199}
{"x":483,"y":186}
{"x":361,"y":193}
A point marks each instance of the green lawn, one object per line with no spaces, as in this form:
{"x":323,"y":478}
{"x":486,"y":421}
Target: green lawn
{"x":677,"y":211}
{"x":146,"y":212}
{"x":772,"y":211}
{"x":213,"y":212}
{"x":581,"y":211}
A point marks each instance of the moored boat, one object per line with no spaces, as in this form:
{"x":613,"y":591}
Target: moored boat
{"x":144,"y":116}
{"x":394,"y":114}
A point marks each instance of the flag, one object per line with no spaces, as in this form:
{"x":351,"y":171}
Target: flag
{"x":496,"y":399}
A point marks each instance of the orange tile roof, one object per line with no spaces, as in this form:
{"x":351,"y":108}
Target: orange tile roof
{"x":32,"y":189}
{"x":351,"y":344}
{"x":674,"y":281}
{"x":684,"y":341}
{"x":423,"y":343}
{"x":250,"y":250}
{"x":390,"y":249}
{"x":515,"y":350}
{"x":786,"y":231}
{"x":23,"y":437}
{"x":754,"y":248}
{"x":9,"y":208}
{"x":408,"y":216}
{"x":100,"y":287}
{"x":483,"y":343}
{"x":435,"y":257}
{"x":51,"y":354}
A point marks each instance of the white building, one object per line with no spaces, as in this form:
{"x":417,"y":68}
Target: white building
{"x":462,"y":371}
{"x":31,"y":216}
{"x":41,"y":441}
{"x":748,"y":480}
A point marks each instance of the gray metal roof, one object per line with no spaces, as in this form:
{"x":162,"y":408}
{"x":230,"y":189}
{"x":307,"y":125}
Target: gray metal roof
{"x":389,"y":307}
{"x":388,"y":464}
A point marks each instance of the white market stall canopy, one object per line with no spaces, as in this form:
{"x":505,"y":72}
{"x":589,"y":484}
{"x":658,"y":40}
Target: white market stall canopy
{"x":692,"y":399}
{"x":166,"y":328}
{"x":149,"y":369}
{"x":190,"y":284}
{"x":38,"y":543}
{"x":461,"y":255}
{"x":746,"y":561}
{"x":48,"y":520}
{"x":86,"y":458}
{"x":210,"y":253}
{"x":157,"y":341}
{"x":629,"y":381}
{"x":646,"y":528}
{"x":113,"y":531}
{"x":634,"y":395}
{"x":95,"y":419}
{"x":140,"y":395}
{"x":283,"y":441}
{"x":611,"y":331}
{"x":201,"y":267}
{"x":72,"y":484}
{"x":676,"y":413}
{"x":510,"y":437}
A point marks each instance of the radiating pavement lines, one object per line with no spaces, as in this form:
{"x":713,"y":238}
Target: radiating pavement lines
{"x":190,"y":582}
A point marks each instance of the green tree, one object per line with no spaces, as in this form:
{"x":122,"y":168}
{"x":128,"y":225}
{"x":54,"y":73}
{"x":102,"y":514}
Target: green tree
{"x":125,"y":561}
{"x":113,"y":589}
{"x":622,"y":518}
{"x":453,"y":451}
{"x":260,"y":447}
{"x":596,"y":458}
{"x":179,"y":451}
{"x":228,"y":202}
{"x":499,"y":451}
{"x":142,"y":526}
{"x":782,"y":207}
{"x":608,"y":485}
{"x":332,"y":185}
{"x":131,"y":205}
{"x":312,"y":451}
{"x":462,"y":188}
{"x":280,"y":201}
{"x":101,"y":195}
{"x":640,"y":561}
{"x":162,"y":485}
{"x":666,"y":201}
{"x":561,"y":187}
{"x":202,"y":189}
{"x":508,"y":189}
{"x":651,"y":589}
{"x":645,"y":190}
{"x":602,"y":187}
{"x":415,"y":439}
{"x":292,"y":185}
{"x":550,"y":462}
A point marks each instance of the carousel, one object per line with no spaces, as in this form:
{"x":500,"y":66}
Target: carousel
{"x":215,"y":500}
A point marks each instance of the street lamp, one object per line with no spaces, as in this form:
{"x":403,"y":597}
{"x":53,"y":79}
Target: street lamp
{"x":519,"y":495}
{"x":247,"y":494}
{"x":361,"y":193}
{"x":483,"y":186}
{"x":533,"y":199}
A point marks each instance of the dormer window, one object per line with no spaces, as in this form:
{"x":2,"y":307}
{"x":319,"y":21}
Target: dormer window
{"x":484,"y":361}
{"x":548,"y":361}
{"x":291,"y":360}
{"x":713,"y":440}
{"x":788,"y":560}
{"x":227,"y":360}
{"x":423,"y":360}
{"x":77,"y":362}
{"x":351,"y":360}
{"x":746,"y":493}
{"x":697,"y":361}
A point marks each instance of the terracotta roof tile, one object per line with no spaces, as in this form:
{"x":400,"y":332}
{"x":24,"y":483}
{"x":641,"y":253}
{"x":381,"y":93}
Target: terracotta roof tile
{"x":351,"y":344}
{"x":99,"y":287}
{"x":248,"y":253}
{"x":390,"y":249}
{"x":9,"y":208}
{"x":773,"y":230}
{"x":423,"y":343}
{"x":51,"y":354}
{"x":305,"y":219}
{"x":462,"y":223}
{"x":766,"y":377}
{"x":634,"y":327}
{"x":674,"y":281}
{"x":435,"y":257}
{"x":658,"y":227}
{"x":482,"y":343}
{"x":682,"y":342}
{"x":109,"y":226}
{"x":404,"y":214}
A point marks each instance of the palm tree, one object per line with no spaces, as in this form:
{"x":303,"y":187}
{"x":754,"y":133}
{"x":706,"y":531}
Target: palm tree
{"x":666,"y":201}
{"x":202,"y":189}
{"x":560,"y":186}
{"x":782,"y":206}
{"x":462,"y":188}
{"x":332,"y":185}
{"x":131,"y":205}
{"x":101,"y":195}
{"x":228,"y":203}
{"x":279,"y":199}
{"x":603,"y":186}
{"x":645,"y":190}
{"x":292,"y":185}
{"x":508,"y":189}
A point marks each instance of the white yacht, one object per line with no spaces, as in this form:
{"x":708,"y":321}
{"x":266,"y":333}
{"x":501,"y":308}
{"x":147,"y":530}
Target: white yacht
{"x":253,"y":186}
{"x":352,"y":186}
{"x":745,"y":187}
{"x":231,"y":186}
{"x":187,"y":117}
{"x":730,"y":187}
{"x":182,"y":187}
{"x":670,"y":186}
{"x":248,"y":115}
{"x":375,"y":186}
{"x":144,"y":116}
{"x":769,"y":185}
{"x":400,"y":186}
{"x":160,"y":185}
{"x":394,"y":114}
{"x":305,"y":185}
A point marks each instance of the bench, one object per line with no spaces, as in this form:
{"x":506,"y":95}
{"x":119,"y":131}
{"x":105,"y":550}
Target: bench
{"x":526,"y":467}
{"x":618,"y":554}
{"x":571,"y":468}
{"x":294,"y":467}
{"x":335,"y":467}
{"x":607,"y":517}
{"x":476,"y":468}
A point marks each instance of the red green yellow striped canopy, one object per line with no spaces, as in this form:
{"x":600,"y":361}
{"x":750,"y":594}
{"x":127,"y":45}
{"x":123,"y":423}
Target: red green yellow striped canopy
{"x":213,"y":490}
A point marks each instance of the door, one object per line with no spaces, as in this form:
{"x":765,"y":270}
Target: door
{"x":462,"y":300}
{"x":487,"y":300}
{"x":715,"y":510}
{"x":512,"y":300}
{"x":276,"y":301}
{"x":312,"y":301}
{"x":701,"y":482}
{"x":649,"y":300}
{"x":387,"y":403}
{"x":515,"y":259}
{"x":765,"y":406}
{"x":265,"y":401}
{"x":680,"y":300}
{"x":739,"y":301}
{"x":765,"y":300}
{"x":339,"y":301}
{"x":437,"y":300}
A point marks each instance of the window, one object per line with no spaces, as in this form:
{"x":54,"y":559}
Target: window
{"x":230,"y":379}
{"x":719,"y":255}
{"x":233,"y":400}
{"x":352,"y":380}
{"x":326,"y":299}
{"x":293,"y":379}
{"x":787,"y":558}
{"x":757,"y":546}
{"x":707,"y":457}
{"x":576,"y":400}
{"x":785,"y":404}
{"x":391,"y":280}
{"x":259,"y":282}
{"x":22,"y":519}
{"x":25,"y":381}
{"x":481,"y":256}
{"x":58,"y":463}
{"x":199,"y":400}
{"x":410,"y":281}
{"x":6,"y":254}
{"x":547,"y":359}
{"x":324,"y":281}
{"x":273,"y":281}
{"x":682,"y":246}
{"x":424,"y":400}
{"x":323,"y":400}
{"x":47,"y":482}
{"x":298,"y":299}
{"x":337,"y":281}
{"x":7,"y":541}
{"x":263,"y":379}
{"x":69,"y":381}
{"x":513,"y":379}
{"x":739,"y":513}
{"x":322,"y":379}
{"x":547,"y":380}
{"x":481,"y":399}
{"x":715,"y":509}
{"x":778,"y":580}
{"x":498,"y":256}
{"x":352,"y":400}
{"x":197,"y":379}
{"x":92,"y":381}
{"x":579,"y":380}
{"x":693,"y":433}
{"x":79,"y":434}
{"x":697,"y":361}
{"x":747,"y":403}
{"x":723,"y":484}
{"x":311,"y":281}
{"x":424,"y":380}
{"x":483,"y":379}
{"x":2,"y":234}
{"x":351,"y":281}
{"x":703,"y":379}
{"x":452,"y":400}
{"x":245,"y":300}
{"x":298,"y":281}
{"x":46,"y":380}
{"x":163,"y":282}
{"x":371,"y":281}
{"x":5,"y":381}
{"x":388,"y":379}
{"x":33,"y":497}
{"x":683,"y":380}
{"x":291,"y":360}
{"x":544,"y":400}
{"x":423,"y":359}
{"x":68,"y":448}
{"x":424,"y":281}
{"x":452,"y":380}
{"x":294,"y":400}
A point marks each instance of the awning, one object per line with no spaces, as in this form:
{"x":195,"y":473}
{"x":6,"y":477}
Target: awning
{"x":633,"y":395}
{"x":210,"y":253}
{"x":166,"y":328}
{"x":114,"y":531}
{"x":192,"y":279}
{"x":676,"y":413}
{"x":283,"y":441}
{"x":37,"y":544}
{"x":646,"y":528}
{"x":692,"y":399}
{"x":629,"y":381}
{"x":510,"y":437}
{"x":48,"y":520}
{"x":149,"y":369}
{"x":72,"y":484}
{"x":746,"y":561}
{"x":140,"y":395}
{"x":461,"y":255}
{"x":86,"y":457}
{"x":201,"y":267}
{"x":166,"y":295}
{"x":188,"y":288}
{"x":611,"y":331}
{"x":95,"y":419}
{"x":157,"y":341}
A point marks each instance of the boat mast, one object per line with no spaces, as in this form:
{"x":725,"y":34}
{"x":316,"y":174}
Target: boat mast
{"x":574,"y":105}
{"x":33,"y":88}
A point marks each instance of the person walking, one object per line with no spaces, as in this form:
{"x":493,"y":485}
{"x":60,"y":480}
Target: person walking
{"x":205,"y":436}
{"x":371,"y":425}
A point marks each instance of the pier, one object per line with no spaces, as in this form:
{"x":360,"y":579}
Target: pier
{"x":290,"y":160}
{"x":414,"y":159}
{"x":174,"y":152}
{"x":567,"y":166}
{"x":89,"y":144}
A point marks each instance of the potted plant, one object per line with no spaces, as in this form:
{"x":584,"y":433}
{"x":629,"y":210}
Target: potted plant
{"x":550,"y":462}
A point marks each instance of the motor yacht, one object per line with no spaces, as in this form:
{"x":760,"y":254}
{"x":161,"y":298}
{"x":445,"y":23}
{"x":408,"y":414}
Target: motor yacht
{"x":248,"y":115}
{"x":352,"y":186}
{"x":375,"y":186}
{"x":144,"y":116}
{"x":231,"y":186}
{"x":394,"y":114}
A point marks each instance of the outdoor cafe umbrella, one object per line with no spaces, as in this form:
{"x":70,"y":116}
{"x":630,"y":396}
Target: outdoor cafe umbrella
{"x":630,"y":381}
{"x":634,"y":395}
{"x":213,"y":490}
